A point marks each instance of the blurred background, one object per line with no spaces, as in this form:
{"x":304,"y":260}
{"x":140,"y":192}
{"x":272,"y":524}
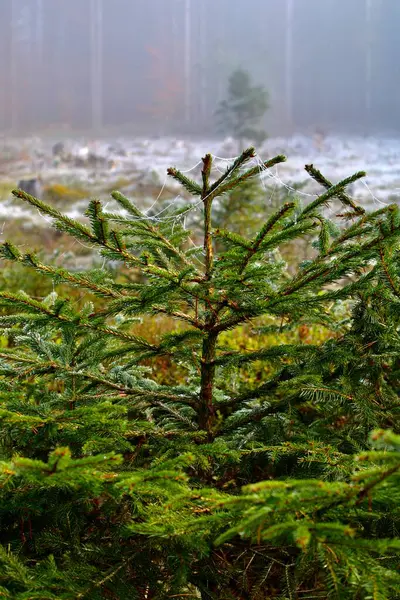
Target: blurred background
{"x":160,"y":66}
{"x":97,"y":95}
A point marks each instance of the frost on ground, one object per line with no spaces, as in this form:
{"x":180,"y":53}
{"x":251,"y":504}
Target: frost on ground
{"x":73,"y":170}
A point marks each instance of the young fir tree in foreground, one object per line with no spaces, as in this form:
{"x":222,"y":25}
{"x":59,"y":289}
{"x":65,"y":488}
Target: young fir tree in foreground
{"x":114,"y":486}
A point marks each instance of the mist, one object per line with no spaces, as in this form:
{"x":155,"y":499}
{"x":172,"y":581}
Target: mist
{"x":160,"y":67}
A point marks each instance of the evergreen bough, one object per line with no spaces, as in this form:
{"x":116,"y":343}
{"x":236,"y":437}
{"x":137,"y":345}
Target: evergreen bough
{"x":116,"y":486}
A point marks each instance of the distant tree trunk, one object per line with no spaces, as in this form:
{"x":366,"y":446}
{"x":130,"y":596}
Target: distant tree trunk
{"x":202,"y":62}
{"x":13,"y":70}
{"x":96,"y":27}
{"x":30,"y":66}
{"x":38,"y":61}
{"x":368,"y":64}
{"x":187,"y":59}
{"x":289,"y":65}
{"x":176,"y":63}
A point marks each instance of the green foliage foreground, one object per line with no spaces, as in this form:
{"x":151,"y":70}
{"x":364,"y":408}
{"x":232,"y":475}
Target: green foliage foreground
{"x":115,"y":486}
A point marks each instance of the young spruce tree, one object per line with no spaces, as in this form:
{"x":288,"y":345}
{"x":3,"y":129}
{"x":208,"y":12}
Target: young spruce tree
{"x":239,"y":115}
{"x":115,"y":486}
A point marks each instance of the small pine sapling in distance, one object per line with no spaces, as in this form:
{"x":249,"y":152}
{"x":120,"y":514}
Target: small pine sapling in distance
{"x":241,"y":112}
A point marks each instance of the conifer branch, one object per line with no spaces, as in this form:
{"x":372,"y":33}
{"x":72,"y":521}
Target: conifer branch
{"x":387,"y":273}
{"x":191,"y":186}
{"x":76,"y":228}
{"x":71,"y":224}
{"x":245,"y":156}
{"x":234,"y":238}
{"x":233,"y":183}
{"x":40,"y":308}
{"x":365,"y":490}
{"x":151,"y":395}
{"x":147,"y":225}
{"x":331,"y":192}
{"x":265,"y":230}
{"x":343,"y":197}
{"x":9,"y":252}
{"x":179,"y":315}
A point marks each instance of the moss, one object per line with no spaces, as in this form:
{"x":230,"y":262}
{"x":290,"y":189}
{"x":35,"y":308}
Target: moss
{"x":60,"y":194}
{"x":5,"y":189}
{"x":120,"y":184}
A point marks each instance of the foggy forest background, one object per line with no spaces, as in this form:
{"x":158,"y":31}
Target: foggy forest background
{"x":161,"y":66}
